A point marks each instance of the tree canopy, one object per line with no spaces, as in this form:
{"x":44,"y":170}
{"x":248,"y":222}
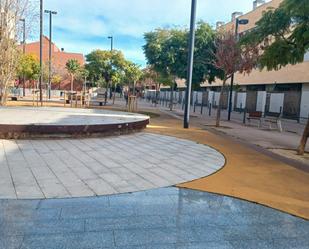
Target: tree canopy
{"x":282,"y":34}
{"x":28,"y":67}
{"x":104,"y":66}
{"x":72,"y":66}
{"x":166,"y":51}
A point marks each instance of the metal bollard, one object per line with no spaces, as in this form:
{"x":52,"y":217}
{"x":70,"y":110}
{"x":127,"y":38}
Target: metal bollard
{"x":202,"y":107}
{"x":245,"y":116}
{"x":194,"y":107}
{"x":210,"y":109}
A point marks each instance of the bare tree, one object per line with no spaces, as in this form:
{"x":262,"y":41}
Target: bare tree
{"x":231,"y":57}
{"x":11,"y":11}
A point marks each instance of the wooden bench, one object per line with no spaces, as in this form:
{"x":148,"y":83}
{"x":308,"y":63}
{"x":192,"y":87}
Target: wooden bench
{"x":274,"y":120}
{"x":255,"y":116}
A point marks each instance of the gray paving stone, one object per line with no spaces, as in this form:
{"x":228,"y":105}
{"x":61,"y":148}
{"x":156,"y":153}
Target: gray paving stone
{"x":100,"y":166}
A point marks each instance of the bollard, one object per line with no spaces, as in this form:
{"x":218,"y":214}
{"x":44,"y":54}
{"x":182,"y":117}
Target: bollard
{"x":209,"y":109}
{"x":194,"y":107}
{"x":245,"y":116}
{"x":202,"y":107}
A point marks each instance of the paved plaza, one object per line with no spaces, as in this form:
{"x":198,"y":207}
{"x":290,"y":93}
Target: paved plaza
{"x":101,"y":166}
{"x":64,"y":116}
{"x":168,"y":218}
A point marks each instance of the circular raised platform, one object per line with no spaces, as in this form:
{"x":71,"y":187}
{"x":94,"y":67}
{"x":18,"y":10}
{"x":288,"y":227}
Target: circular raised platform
{"x":59,"y":168}
{"x":21,"y":122}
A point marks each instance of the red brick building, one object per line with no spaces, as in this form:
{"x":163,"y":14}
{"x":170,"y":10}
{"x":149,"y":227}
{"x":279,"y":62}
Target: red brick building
{"x":59,"y":60}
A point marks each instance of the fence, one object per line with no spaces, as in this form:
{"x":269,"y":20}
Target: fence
{"x":287,"y":103}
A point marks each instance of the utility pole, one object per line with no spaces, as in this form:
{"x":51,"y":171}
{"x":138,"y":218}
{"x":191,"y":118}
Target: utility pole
{"x":190,"y":65}
{"x":23,"y":20}
{"x":51,"y":13}
{"x":41,"y":52}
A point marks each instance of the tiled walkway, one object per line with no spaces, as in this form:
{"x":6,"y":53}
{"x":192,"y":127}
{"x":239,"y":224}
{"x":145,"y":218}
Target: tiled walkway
{"x":168,"y":218}
{"x":31,"y":169}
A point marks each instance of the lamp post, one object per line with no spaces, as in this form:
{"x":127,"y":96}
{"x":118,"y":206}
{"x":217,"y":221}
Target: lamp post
{"x":41,"y":52}
{"x":51,"y":13}
{"x":112,"y":48}
{"x":23,"y":20}
{"x":190,"y":64}
{"x":112,"y":42}
{"x":238,"y":22}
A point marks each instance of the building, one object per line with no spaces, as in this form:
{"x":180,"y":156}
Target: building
{"x":59,"y":60}
{"x":285,"y":90}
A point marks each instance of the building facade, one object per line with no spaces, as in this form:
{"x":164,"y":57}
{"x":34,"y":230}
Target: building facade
{"x":59,"y":60}
{"x":285,"y":90}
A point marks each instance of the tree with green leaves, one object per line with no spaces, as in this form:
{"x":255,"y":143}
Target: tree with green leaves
{"x":166,"y":51}
{"x":282,"y":36}
{"x":73,"y":67}
{"x":82,"y":75}
{"x":103,"y":65}
{"x":132,"y":74}
{"x":28,"y":67}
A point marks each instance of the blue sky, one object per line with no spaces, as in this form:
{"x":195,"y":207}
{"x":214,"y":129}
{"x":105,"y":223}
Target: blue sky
{"x":84,"y":25}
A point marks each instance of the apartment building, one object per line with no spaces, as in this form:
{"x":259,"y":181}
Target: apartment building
{"x":285,"y":90}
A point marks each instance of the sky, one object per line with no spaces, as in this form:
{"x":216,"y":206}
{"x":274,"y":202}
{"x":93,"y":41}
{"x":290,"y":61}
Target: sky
{"x":84,"y":25}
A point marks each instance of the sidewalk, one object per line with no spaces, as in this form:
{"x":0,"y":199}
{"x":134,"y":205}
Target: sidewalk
{"x":282,"y":143}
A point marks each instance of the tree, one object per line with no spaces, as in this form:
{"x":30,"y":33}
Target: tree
{"x":11,"y":12}
{"x":56,"y":79}
{"x":28,"y":67}
{"x":82,"y":75}
{"x":166,"y":51}
{"x":150,"y":77}
{"x":231,"y":57}
{"x":282,"y":36}
{"x":73,"y":67}
{"x":104,"y":65}
{"x":132,"y":74}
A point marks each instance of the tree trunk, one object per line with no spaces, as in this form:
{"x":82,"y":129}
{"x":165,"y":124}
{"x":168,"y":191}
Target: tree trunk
{"x":220,"y":105}
{"x":156,"y":96}
{"x":72,"y":83}
{"x":172,"y":98}
{"x":302,"y":146}
{"x":106,"y":92}
{"x":114,"y":94}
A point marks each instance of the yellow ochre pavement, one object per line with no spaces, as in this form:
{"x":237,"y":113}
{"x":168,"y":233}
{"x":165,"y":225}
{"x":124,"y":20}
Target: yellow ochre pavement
{"x":248,"y":174}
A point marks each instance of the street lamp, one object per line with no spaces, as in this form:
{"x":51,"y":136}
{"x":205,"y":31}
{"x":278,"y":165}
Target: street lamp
{"x":41,"y":52}
{"x":112,"y":47}
{"x":51,"y":13}
{"x":112,"y":42}
{"x":23,"y":20}
{"x":190,"y":64}
{"x":238,"y":22}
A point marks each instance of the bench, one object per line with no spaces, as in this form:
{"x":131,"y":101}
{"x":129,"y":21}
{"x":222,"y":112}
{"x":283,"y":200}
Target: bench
{"x":274,"y":120}
{"x":255,"y":116}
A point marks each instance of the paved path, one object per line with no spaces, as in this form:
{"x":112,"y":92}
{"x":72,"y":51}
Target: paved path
{"x":100,"y":166}
{"x":249,"y":173}
{"x":167,"y":218}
